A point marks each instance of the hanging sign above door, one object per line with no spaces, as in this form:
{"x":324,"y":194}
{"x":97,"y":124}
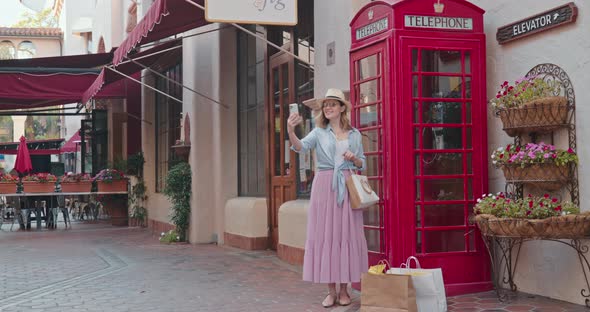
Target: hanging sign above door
{"x":559,"y":16}
{"x":269,"y":12}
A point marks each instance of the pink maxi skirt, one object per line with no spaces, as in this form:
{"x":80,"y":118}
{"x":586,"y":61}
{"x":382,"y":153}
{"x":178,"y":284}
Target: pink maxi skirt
{"x":335,"y":248}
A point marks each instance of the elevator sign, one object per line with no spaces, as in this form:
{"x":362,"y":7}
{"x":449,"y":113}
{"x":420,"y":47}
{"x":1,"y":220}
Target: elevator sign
{"x":438,"y":22}
{"x":559,"y":16}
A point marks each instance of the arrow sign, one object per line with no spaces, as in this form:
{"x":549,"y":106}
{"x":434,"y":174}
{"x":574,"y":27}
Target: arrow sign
{"x":559,"y":16}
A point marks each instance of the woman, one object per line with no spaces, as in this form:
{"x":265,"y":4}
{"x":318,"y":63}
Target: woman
{"x":335,"y":249}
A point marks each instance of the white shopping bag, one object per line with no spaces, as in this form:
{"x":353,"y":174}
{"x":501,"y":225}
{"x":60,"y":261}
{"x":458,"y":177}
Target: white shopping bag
{"x":429,"y":285}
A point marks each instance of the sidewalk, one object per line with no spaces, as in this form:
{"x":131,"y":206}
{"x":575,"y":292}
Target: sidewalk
{"x":97,"y":267}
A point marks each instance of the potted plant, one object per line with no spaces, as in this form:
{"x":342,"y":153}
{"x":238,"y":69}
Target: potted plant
{"x":543,"y":217}
{"x":39,"y":183}
{"x":8,"y":183}
{"x":111,"y":180}
{"x":76,"y":183}
{"x":541,"y":163}
{"x":530,"y":105}
{"x":178,"y":190}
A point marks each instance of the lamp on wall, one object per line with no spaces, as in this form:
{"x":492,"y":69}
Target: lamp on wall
{"x":439,"y":7}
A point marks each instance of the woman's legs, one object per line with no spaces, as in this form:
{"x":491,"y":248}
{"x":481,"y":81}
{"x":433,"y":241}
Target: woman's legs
{"x":343,"y":296}
{"x":330,"y":299}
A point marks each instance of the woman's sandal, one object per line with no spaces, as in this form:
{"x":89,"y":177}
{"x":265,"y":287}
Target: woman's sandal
{"x":345,"y":302}
{"x":329,"y":303}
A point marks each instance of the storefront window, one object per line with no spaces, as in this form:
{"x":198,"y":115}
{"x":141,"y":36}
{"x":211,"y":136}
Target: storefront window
{"x":251,"y":171}
{"x":168,"y":122}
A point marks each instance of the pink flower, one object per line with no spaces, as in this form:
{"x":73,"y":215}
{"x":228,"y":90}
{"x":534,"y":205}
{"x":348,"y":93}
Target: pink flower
{"x":570,"y":150}
{"x":546,"y":156}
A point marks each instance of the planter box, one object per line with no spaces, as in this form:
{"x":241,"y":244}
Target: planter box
{"x":115,"y":186}
{"x":538,"y":116}
{"x":7,"y":188}
{"x":36,"y":187}
{"x":76,"y":187}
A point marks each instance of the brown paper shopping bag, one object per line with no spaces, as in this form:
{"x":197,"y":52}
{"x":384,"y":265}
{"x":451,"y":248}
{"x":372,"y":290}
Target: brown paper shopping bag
{"x":387,"y":293}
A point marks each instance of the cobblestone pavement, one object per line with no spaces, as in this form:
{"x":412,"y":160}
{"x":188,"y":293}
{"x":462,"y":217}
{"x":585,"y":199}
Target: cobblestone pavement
{"x":96,"y":267}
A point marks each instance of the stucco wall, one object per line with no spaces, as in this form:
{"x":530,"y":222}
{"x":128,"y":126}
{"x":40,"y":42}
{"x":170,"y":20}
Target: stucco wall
{"x":44,"y":47}
{"x":545,"y":268}
{"x":71,"y":12}
{"x":209,"y":67}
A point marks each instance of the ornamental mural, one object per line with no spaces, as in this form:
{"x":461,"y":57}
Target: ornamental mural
{"x":42,"y":127}
{"x":6,"y":129}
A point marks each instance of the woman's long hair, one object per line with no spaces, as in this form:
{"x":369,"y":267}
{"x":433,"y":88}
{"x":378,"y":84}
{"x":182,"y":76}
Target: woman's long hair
{"x":322,"y":122}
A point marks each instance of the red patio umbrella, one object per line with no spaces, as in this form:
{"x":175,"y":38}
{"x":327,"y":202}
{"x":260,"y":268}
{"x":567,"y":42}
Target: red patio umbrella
{"x":23,"y":158}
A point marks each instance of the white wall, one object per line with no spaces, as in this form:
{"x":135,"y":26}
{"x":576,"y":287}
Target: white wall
{"x":545,"y":268}
{"x":209,"y":67}
{"x":71,"y":12}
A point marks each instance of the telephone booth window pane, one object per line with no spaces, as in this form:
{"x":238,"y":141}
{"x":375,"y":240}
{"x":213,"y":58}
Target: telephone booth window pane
{"x":468,"y":137}
{"x":373,"y":166}
{"x":441,"y":61}
{"x":442,"y":138}
{"x":373,"y":240}
{"x":417,"y":164}
{"x":443,"y":189}
{"x":371,"y":140}
{"x":447,"y":241}
{"x":444,"y":215}
{"x":369,"y":116}
{"x":376,"y":186}
{"x":442,"y":163}
{"x":417,"y":132}
{"x":468,"y":113}
{"x":414,"y":60}
{"x":469,"y":163}
{"x":368,"y":67}
{"x":419,"y":241}
{"x":441,"y":112}
{"x":415,"y":86}
{"x":416,"y":112}
{"x":442,"y":87}
{"x":472,"y":242}
{"x":470,"y":189}
{"x":418,"y":216}
{"x":467,"y":87}
{"x":371,"y":216}
{"x":418,"y":195}
{"x":368,"y":92}
{"x":467,"y":62}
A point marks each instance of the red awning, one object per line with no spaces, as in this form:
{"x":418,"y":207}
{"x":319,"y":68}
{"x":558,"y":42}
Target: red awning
{"x":50,"y":81}
{"x":164,"y":54}
{"x":164,"y":19}
{"x":71,"y":146}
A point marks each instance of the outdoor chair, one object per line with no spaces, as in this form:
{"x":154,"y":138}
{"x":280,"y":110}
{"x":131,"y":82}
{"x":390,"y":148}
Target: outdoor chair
{"x":61,"y":207}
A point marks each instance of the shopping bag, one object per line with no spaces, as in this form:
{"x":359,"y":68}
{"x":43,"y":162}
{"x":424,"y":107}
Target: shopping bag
{"x":428,"y":283}
{"x":387,"y":293}
{"x":360,"y":193}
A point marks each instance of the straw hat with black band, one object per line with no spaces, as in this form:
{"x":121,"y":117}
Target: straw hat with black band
{"x":335,"y":94}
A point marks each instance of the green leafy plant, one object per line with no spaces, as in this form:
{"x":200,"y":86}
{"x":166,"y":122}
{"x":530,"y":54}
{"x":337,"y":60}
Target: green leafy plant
{"x":531,"y":207}
{"x":524,"y":90}
{"x":135,"y":164}
{"x":532,"y":154}
{"x":169,"y":237}
{"x":178,"y":190}
{"x":137,"y":198}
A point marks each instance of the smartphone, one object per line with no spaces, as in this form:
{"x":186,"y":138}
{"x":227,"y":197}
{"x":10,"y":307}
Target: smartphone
{"x":293,"y":108}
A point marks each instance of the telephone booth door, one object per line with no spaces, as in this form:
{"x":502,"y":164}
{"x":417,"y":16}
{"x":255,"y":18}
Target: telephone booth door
{"x":419,"y":99}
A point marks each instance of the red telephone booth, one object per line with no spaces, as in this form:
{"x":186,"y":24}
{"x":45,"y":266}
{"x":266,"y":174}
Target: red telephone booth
{"x":418,"y":89}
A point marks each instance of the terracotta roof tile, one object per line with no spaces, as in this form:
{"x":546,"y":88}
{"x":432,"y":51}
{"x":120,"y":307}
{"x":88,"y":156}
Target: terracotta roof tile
{"x":30,"y":32}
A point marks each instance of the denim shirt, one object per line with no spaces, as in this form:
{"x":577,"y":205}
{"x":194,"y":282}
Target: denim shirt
{"x":324,"y":142}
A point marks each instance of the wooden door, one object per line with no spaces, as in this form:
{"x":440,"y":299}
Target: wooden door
{"x":282,"y":159}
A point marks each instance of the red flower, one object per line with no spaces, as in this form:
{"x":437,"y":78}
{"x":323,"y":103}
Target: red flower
{"x":558,"y":208}
{"x":518,"y":149}
{"x":570,"y":150}
{"x":554,"y":200}
{"x":498,"y":95}
{"x":546,"y":195}
{"x":501,"y":156}
{"x":528,"y":212}
{"x":531,"y":204}
{"x":553,"y":155}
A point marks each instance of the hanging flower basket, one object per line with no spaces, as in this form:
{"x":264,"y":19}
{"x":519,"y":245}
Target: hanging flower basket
{"x":560,"y":227}
{"x":540,"y":116}
{"x":548,"y":176}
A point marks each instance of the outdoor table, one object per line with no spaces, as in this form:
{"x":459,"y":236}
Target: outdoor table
{"x":52,"y":195}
